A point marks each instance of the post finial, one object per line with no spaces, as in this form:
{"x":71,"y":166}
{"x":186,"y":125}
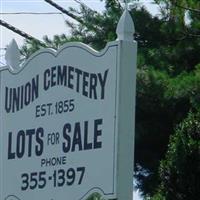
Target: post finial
{"x":12,"y":56}
{"x":126,"y":5}
{"x":125,"y":27}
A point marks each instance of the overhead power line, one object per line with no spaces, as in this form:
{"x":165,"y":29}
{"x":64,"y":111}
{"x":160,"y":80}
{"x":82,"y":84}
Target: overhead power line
{"x":30,"y":13}
{"x":186,"y":8}
{"x":19,"y":32}
{"x":2,"y":63}
{"x":64,"y":11}
{"x":78,"y":19}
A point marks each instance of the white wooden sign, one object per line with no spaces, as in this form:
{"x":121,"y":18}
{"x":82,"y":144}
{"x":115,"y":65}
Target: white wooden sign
{"x":66,"y":121}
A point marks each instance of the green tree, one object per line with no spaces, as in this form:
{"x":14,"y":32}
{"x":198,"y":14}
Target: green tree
{"x":95,"y":196}
{"x":32,"y":46}
{"x":181,"y":34}
{"x":180,"y":170}
{"x":167,"y":87}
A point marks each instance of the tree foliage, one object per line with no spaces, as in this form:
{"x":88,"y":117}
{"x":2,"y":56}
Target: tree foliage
{"x":180,"y":170}
{"x":95,"y":196}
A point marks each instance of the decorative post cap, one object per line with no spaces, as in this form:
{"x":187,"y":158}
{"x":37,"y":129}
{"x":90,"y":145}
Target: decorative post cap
{"x":12,"y":56}
{"x":125,"y":27}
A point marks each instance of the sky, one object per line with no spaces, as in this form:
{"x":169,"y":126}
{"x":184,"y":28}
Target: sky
{"x":40,"y":25}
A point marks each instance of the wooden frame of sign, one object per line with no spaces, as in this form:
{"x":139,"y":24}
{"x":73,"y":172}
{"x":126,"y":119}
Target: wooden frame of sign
{"x":67,"y":121}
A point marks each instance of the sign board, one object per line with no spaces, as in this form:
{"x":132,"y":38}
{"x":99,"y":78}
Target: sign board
{"x":59,"y":123}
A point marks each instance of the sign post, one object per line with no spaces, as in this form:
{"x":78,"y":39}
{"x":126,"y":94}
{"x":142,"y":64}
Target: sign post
{"x":67,"y":121}
{"x":126,"y":106}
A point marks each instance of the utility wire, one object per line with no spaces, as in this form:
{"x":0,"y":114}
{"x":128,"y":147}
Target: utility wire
{"x":2,"y":63}
{"x":19,"y":32}
{"x":64,"y":11}
{"x":70,"y":14}
{"x":30,"y":13}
